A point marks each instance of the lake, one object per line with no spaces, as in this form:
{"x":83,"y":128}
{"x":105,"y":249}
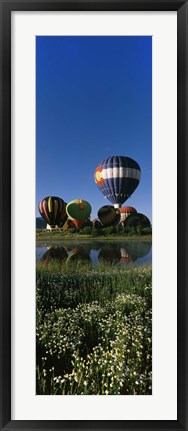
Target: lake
{"x":114,"y":252}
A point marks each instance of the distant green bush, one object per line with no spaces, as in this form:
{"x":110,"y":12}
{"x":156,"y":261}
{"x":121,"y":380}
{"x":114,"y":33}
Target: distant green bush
{"x":86,"y":230}
{"x":73,"y":230}
{"x":139,"y":230}
{"x":96,"y":232}
{"x":147,"y":231}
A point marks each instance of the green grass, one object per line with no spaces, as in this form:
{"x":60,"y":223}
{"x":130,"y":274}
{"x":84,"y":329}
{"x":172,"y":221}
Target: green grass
{"x":109,"y":233}
{"x":93,"y":329}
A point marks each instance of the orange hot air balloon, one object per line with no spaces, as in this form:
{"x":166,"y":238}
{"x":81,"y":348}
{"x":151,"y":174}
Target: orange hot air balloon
{"x":77,"y":223}
{"x":126,"y":211}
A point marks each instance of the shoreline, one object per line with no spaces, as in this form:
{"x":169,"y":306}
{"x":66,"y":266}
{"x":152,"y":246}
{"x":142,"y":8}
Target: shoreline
{"x":82,"y":238}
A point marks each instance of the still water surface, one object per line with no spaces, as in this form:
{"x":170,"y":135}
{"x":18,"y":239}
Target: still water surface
{"x":113,"y":252}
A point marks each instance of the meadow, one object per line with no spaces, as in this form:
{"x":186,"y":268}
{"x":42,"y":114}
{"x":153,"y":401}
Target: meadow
{"x":104,"y":233}
{"x":93,"y":329}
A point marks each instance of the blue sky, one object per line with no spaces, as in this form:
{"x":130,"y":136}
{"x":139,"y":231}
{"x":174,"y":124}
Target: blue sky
{"x":93,"y":101}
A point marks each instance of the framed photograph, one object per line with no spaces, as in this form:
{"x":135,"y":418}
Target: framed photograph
{"x":93,"y":214}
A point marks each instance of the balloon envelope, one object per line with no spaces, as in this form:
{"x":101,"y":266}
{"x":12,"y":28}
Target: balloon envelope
{"x":117,"y":178}
{"x":77,"y":223}
{"x":134,"y":220}
{"x":78,"y":209}
{"x":53,"y":210}
{"x":126,"y":211}
{"x":108,"y":215}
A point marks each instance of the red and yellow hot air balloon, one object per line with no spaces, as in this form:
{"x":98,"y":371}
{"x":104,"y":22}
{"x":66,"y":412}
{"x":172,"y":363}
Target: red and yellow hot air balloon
{"x":53,"y":211}
{"x":126,"y":211}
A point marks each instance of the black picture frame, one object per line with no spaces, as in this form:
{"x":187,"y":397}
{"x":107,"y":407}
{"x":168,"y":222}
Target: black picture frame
{"x":6,"y":7}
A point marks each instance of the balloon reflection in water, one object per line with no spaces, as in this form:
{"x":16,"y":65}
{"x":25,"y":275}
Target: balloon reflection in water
{"x":109,"y":254}
{"x":126,"y":253}
{"x":138,"y":249}
{"x":58,"y":254}
{"x":78,"y":255}
{"x":125,"y":257}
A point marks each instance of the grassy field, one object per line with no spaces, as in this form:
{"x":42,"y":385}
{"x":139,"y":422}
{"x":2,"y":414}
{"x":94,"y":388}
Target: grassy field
{"x":93,"y":329}
{"x":42,"y":236}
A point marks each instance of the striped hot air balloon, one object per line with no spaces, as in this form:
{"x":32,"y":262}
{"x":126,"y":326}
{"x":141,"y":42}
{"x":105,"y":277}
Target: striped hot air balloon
{"x":117,"y":178}
{"x":53,"y":210}
{"x":126,"y":211}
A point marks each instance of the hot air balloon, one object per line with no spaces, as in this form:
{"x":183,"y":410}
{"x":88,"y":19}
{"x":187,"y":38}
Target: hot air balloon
{"x":126,"y":211}
{"x":117,"y":178}
{"x":135,"y":220}
{"x":78,"y":211}
{"x":77,"y":223}
{"x":108,"y":215}
{"x":53,"y":210}
{"x":64,"y":215}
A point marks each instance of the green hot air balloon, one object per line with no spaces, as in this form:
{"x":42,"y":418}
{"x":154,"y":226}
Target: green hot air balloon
{"x":78,"y":210}
{"x":108,"y":215}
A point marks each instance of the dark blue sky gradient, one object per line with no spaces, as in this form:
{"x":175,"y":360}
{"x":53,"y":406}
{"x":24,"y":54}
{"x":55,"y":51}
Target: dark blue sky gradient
{"x":93,"y":100}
